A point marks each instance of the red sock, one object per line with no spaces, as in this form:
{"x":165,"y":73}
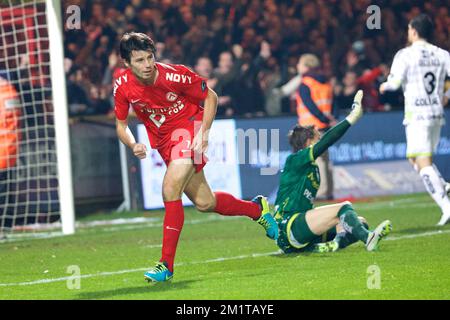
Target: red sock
{"x":228,"y":205}
{"x":173,"y":223}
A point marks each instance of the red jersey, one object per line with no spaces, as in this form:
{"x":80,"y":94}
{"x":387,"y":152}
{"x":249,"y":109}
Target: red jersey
{"x":164,"y":106}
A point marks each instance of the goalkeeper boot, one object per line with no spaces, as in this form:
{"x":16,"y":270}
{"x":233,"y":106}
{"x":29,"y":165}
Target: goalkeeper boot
{"x":159,"y":273}
{"x":374,"y":238}
{"x":324,"y":247}
{"x":266,"y":219}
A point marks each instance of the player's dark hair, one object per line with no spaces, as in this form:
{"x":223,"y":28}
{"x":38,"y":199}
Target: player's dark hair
{"x":298,"y":136}
{"x":423,"y":25}
{"x":135,"y":41}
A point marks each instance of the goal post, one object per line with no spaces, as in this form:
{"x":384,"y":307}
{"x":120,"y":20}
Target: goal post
{"x":55,"y":35}
{"x":36,"y":183}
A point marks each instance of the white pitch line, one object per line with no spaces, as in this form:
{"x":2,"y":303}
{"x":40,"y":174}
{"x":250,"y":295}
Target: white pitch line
{"x":42,"y":281}
{"x":152,"y":222}
{"x":151,"y":246}
{"x":212,"y":218}
{"x":118,"y":227}
{"x":254,"y":255}
{"x":405,"y":206}
{"x":418,"y":235}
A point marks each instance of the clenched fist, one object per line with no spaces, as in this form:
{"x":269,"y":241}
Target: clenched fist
{"x":140,"y":150}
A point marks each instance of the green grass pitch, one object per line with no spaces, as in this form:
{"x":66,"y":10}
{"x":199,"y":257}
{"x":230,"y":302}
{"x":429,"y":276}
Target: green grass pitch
{"x":230,"y":258}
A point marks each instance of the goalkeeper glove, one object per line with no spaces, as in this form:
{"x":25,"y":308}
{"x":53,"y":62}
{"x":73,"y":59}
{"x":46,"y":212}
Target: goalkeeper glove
{"x":357,"y":110}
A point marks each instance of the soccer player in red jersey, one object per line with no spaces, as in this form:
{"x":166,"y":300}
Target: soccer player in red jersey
{"x":167,"y":99}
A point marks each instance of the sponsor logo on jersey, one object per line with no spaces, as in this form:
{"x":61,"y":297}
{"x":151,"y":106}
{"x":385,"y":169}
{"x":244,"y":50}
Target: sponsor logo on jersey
{"x":308,"y":195}
{"x":426,"y":101}
{"x":428,"y":117}
{"x":180,"y":78}
{"x":313,"y":178}
{"x":119,"y":81}
{"x":170,"y":96}
{"x":137,"y":104}
{"x":169,"y":111}
{"x":429,"y":63}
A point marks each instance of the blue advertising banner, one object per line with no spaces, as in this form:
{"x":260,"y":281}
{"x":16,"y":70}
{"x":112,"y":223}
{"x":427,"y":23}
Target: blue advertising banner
{"x":369,"y":160}
{"x":381,"y":137}
{"x":263,"y":148}
{"x":221,"y":172}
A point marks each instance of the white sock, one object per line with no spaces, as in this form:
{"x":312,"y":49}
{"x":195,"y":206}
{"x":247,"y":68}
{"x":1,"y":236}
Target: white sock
{"x":439,"y":174}
{"x":435,"y":187}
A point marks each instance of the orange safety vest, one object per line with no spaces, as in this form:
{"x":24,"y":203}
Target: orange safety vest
{"x":322,"y":95}
{"x":9,"y":122}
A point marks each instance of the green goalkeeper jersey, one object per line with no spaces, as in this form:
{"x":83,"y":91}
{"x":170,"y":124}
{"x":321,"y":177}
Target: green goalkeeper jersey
{"x":299,"y":182}
{"x":300,"y":178}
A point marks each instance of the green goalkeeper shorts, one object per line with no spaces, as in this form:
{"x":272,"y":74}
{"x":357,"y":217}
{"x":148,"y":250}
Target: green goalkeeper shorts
{"x":288,"y":244}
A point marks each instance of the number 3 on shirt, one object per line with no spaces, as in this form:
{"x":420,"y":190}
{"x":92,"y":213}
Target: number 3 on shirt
{"x":430,"y":82}
{"x":157,"y":122}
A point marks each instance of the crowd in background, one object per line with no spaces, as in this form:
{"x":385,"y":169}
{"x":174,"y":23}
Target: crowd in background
{"x":246,"y":48}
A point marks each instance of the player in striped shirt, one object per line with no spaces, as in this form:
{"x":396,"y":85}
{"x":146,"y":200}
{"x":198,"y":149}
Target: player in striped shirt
{"x":421,"y":69}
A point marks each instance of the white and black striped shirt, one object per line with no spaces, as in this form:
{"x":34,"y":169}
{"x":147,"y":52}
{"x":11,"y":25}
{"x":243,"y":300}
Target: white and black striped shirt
{"x":421,"y":70}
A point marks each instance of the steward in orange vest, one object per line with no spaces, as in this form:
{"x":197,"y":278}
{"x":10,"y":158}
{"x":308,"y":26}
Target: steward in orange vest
{"x":314,"y":108}
{"x":314,"y":102}
{"x":9,"y":123}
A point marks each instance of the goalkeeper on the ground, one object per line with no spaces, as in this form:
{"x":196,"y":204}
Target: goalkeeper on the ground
{"x":302,"y":227}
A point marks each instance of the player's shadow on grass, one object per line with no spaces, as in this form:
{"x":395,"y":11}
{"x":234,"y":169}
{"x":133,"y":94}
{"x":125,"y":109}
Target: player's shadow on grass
{"x":139,"y":290}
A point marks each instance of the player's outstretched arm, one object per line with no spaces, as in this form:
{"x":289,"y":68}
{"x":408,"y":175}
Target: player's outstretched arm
{"x":335,"y":133}
{"x":126,"y":136}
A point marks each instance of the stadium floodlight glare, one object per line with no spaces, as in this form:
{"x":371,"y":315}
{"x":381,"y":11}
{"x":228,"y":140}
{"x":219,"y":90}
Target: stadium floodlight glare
{"x":37,"y":191}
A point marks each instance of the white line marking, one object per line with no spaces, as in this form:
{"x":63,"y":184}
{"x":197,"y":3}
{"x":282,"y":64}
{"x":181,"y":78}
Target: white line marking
{"x":42,"y":281}
{"x":254,"y":255}
{"x":151,"y":246}
{"x":211,"y":218}
{"x":149,"y":222}
{"x":418,"y":235}
{"x":157,"y":222}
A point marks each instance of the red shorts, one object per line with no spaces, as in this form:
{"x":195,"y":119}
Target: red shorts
{"x":177,"y":145}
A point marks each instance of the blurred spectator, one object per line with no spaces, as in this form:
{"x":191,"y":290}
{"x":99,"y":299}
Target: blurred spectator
{"x":230,"y":34}
{"x":204,"y":68}
{"x":351,"y":83}
{"x":226,"y":74}
{"x":248,"y":97}
{"x":345,"y":91}
{"x":115,"y":67}
{"x":354,"y":62}
{"x":77,"y":97}
{"x":269,"y":78}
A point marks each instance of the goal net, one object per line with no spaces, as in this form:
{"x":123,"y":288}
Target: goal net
{"x":35,"y":177}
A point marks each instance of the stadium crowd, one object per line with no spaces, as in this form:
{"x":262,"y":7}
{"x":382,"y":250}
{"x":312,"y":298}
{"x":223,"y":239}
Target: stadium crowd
{"x":246,"y":48}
